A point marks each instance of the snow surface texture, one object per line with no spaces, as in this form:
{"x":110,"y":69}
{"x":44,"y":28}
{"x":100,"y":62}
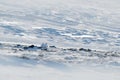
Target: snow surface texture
{"x":92,"y":24}
{"x":33,"y":63}
{"x":65,"y":23}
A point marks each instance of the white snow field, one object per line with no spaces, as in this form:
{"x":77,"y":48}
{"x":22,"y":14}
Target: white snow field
{"x":89,"y":24}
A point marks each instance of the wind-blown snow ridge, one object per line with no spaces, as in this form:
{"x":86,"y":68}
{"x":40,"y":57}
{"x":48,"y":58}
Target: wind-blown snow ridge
{"x":86,"y":33}
{"x":61,"y":55}
{"x":87,"y":27}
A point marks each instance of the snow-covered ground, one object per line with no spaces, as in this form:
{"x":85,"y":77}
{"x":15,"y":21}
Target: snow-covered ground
{"x":56,"y":65}
{"x":83,"y":23}
{"x":17,"y":69}
{"x":89,"y":24}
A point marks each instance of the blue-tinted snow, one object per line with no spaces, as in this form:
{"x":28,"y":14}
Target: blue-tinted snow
{"x":90,"y":24}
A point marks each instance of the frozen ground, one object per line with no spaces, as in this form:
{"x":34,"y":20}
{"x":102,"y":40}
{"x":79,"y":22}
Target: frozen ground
{"x":18,"y":62}
{"x":17,"y":69}
{"x":14,"y":66}
{"x":83,"y":23}
{"x":92,"y":24}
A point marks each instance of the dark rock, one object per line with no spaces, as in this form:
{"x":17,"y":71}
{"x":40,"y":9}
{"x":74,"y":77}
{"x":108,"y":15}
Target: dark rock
{"x":52,"y":46}
{"x":72,"y":49}
{"x":31,"y":46}
{"x":25,"y":48}
{"x":87,"y":50}
{"x":18,"y":46}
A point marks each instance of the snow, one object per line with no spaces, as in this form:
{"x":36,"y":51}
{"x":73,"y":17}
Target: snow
{"x":56,"y":65}
{"x":15,"y":68}
{"x":90,"y":24}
